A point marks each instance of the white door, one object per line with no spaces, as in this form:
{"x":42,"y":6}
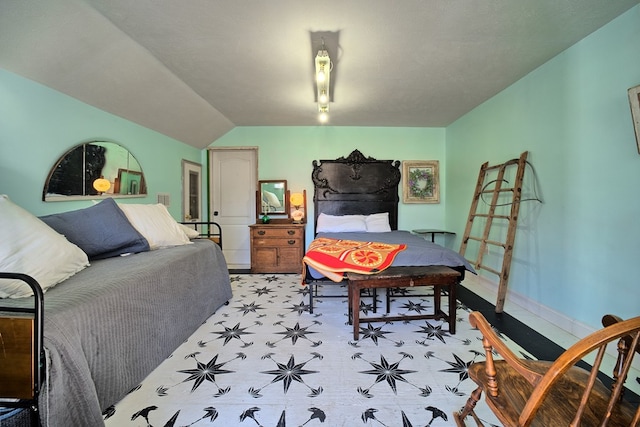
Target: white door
{"x":233,"y":174}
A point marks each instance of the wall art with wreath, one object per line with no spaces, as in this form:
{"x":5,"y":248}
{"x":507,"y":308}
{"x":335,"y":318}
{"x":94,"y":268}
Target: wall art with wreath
{"x":420,"y":182}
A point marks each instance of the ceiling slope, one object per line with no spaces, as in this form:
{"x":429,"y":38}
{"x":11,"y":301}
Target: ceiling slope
{"x":193,"y":70}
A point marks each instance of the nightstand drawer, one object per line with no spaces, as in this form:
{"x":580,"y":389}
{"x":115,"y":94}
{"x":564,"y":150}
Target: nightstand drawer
{"x":283,"y":243}
{"x":267,"y":232}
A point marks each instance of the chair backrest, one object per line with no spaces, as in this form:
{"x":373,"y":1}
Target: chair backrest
{"x":624,"y":346}
{"x":627,"y":334}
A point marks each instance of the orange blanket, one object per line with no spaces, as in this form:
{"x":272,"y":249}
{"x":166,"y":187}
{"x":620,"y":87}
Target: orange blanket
{"x":333,"y":257}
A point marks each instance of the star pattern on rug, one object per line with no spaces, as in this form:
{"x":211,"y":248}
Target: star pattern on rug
{"x":294,"y":333}
{"x":412,"y":306}
{"x":250,"y":308}
{"x":289,"y":372}
{"x":262,"y":291}
{"x":434,"y":331}
{"x":300,"y":308}
{"x":459,"y":367}
{"x":205,"y":372}
{"x":373,"y":333}
{"x":222,"y":376}
{"x":385,"y":371}
{"x":235,"y":332}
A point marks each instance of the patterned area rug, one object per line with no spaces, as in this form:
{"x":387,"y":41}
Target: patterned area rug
{"x":263,"y":360}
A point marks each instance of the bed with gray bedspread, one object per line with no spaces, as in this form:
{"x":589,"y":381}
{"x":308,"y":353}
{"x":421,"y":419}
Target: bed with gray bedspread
{"x":107,"y":327}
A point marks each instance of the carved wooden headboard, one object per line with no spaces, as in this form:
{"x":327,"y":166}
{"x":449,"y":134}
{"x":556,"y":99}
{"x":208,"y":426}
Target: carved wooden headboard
{"x":356,"y":185}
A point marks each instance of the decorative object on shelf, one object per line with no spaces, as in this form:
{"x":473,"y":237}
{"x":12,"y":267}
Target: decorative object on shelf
{"x":323,"y":79}
{"x":420,"y":182}
{"x":101,"y":185}
{"x":634,"y":102}
{"x":265,"y":218}
{"x":298,"y":201}
{"x":129,"y":182}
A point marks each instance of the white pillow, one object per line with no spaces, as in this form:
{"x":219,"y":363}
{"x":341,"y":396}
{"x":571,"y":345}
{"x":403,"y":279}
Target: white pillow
{"x":29,"y":246}
{"x":340,"y":223}
{"x":191,"y":232}
{"x":378,"y":223}
{"x":156,"y":224}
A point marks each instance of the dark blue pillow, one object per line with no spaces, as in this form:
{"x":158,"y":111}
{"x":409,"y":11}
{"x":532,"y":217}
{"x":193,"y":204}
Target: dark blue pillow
{"x":101,"y":231}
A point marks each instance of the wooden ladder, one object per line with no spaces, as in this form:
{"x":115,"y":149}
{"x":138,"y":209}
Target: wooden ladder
{"x":490,"y":216}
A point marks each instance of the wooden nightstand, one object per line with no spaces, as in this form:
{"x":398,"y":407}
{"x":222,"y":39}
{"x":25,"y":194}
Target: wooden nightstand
{"x":277,"y":248}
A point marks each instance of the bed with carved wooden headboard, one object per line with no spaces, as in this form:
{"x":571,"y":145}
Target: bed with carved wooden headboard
{"x":356,"y":199}
{"x":356,"y":185}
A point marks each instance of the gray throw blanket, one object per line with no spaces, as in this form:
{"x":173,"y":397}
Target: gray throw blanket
{"x":109,"y":326}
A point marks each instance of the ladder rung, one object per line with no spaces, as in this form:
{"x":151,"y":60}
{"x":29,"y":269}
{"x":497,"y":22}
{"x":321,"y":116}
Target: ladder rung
{"x":495,"y":190}
{"x":490,"y":242}
{"x":491,"y":270}
{"x":510,"y":162}
{"x":492,"y":216}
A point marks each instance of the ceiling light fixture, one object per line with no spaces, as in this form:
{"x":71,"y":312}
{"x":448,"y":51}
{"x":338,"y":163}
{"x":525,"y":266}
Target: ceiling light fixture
{"x":323,"y":80}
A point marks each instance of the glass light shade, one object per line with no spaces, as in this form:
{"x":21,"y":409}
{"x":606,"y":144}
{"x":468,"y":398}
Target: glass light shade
{"x":297,"y":216}
{"x":323,"y":117}
{"x":323,"y":99}
{"x":101,"y":185}
{"x":297,"y":199}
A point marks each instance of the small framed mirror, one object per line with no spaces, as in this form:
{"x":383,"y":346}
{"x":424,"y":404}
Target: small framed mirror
{"x":272,"y":199}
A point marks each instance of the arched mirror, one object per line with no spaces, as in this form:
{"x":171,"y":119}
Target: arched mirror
{"x":94,"y":169}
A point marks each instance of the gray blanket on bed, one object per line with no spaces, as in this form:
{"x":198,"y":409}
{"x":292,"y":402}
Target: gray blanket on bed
{"x":109,"y":326}
{"x":418,"y":252}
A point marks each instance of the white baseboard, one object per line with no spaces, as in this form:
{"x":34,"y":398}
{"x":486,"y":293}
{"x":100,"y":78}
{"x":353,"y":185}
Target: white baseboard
{"x":488,"y":290}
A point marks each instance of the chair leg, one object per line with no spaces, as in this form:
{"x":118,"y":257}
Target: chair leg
{"x":312,"y":287}
{"x":468,"y":409}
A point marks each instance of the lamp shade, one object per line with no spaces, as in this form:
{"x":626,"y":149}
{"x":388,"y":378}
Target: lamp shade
{"x":101,"y":185}
{"x":296,"y":199}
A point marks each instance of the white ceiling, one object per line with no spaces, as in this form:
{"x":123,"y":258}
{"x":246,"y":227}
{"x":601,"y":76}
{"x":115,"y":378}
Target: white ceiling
{"x":194,"y":69}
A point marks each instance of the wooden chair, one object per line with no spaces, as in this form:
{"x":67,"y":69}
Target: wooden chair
{"x":539,"y":393}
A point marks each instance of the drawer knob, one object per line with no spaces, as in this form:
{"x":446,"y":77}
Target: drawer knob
{"x":291,"y":242}
{"x":291,"y":232}
{"x":261,"y":232}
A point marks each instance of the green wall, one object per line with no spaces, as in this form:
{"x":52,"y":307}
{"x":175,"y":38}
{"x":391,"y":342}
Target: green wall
{"x":288,"y":153}
{"x":38,"y":125}
{"x":573,"y":253}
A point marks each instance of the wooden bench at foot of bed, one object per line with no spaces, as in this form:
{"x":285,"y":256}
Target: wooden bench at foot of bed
{"x":440,"y":277}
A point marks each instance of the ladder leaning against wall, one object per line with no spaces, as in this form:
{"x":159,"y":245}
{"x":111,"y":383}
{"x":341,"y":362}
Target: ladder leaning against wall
{"x":492,"y":219}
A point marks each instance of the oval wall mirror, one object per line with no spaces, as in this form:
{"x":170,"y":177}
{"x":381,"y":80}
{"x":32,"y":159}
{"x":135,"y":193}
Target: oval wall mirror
{"x":93,"y":169}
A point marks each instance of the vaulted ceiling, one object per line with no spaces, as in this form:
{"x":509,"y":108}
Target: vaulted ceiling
{"x":195,"y":69}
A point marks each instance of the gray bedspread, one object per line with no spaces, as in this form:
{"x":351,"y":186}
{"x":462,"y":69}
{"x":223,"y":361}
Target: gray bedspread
{"x":418,"y":252}
{"x":109,"y":326}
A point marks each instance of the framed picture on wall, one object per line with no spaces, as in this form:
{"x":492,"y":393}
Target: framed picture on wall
{"x":191,"y":191}
{"x":420,"y":181}
{"x":634,"y":101}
